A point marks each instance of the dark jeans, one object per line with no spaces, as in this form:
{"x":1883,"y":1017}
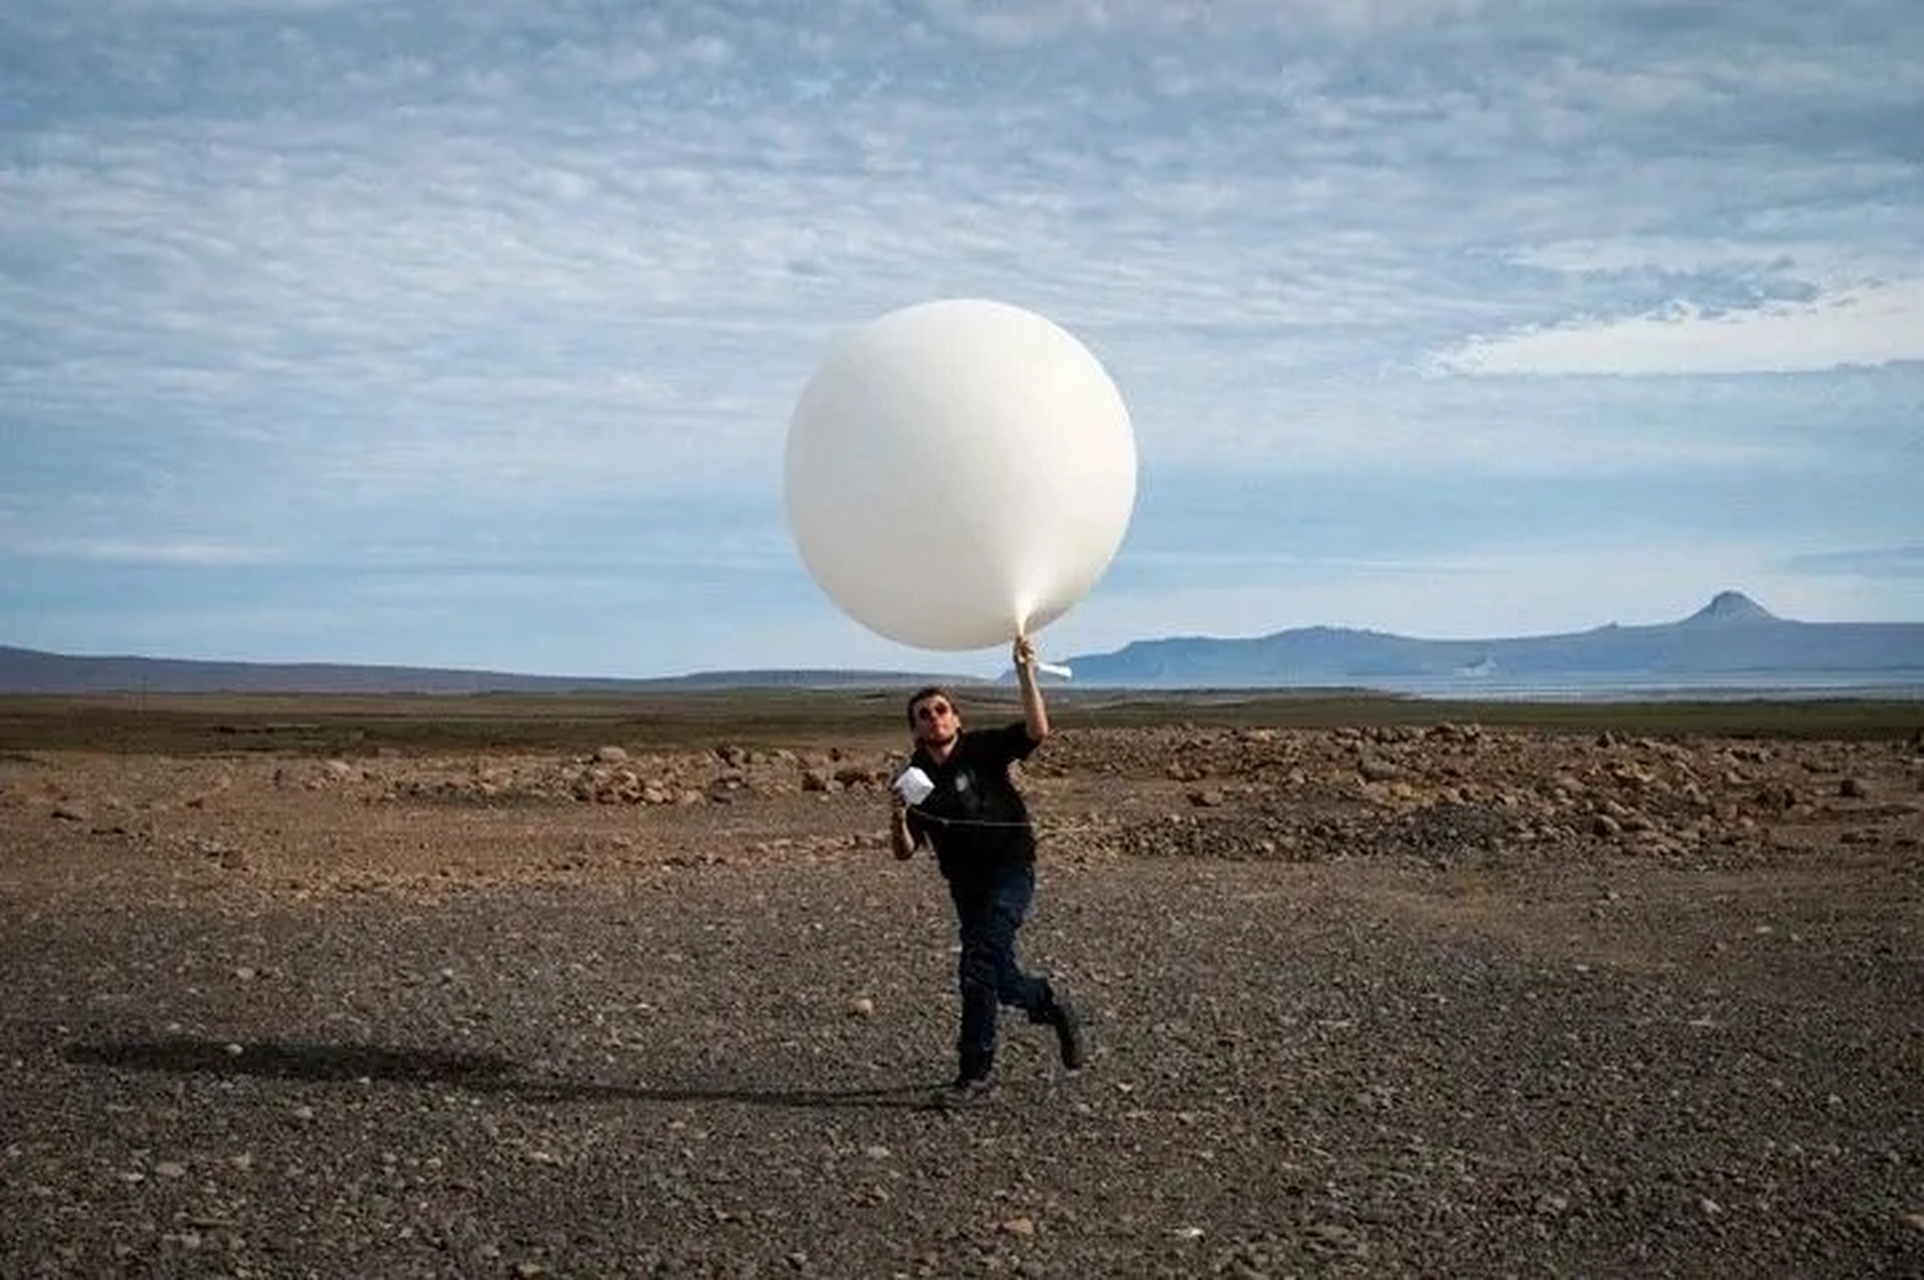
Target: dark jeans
{"x":988,"y":912}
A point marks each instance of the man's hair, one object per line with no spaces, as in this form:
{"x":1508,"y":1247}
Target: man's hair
{"x":923,"y":694}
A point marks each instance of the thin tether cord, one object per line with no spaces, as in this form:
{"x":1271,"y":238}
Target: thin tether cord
{"x":967,"y":822}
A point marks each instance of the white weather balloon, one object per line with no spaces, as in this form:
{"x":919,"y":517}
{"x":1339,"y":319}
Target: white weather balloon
{"x":958,"y":473}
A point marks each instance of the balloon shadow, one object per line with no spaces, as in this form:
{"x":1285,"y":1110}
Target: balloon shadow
{"x":485,"y":1073}
{"x":292,"y":1060}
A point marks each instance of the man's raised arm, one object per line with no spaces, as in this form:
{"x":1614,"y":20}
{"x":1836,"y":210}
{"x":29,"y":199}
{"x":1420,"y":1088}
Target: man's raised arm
{"x":1035,"y":716}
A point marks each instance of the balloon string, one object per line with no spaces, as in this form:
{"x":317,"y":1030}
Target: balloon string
{"x":967,"y":822}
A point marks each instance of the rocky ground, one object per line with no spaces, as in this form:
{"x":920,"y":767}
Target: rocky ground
{"x":1440,"y":1001}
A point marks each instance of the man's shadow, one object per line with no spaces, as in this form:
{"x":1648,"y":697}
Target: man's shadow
{"x":484,"y":1073}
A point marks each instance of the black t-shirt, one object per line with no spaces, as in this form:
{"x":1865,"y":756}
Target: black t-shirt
{"x":975,"y":819}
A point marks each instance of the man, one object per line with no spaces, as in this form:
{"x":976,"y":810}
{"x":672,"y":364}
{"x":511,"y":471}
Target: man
{"x":979,"y":826}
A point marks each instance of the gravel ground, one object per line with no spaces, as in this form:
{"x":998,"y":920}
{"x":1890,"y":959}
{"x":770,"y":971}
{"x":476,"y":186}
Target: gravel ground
{"x":270,"y":1018}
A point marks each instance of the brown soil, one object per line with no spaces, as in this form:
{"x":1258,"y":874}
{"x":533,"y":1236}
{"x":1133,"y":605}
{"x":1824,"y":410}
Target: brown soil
{"x":1430,"y":999}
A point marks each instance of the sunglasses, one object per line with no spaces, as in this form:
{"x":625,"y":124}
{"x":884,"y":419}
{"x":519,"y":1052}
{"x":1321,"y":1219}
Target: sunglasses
{"x":931,"y":710}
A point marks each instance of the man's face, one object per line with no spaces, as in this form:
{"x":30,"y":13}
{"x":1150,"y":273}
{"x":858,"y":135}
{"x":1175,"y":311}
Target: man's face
{"x":934,"y":720}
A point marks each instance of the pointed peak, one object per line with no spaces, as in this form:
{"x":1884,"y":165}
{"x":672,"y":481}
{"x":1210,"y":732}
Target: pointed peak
{"x":1732,"y":606}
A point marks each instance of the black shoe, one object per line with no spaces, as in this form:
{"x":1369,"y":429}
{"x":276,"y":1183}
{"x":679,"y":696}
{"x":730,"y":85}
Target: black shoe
{"x":965,"y":1091}
{"x":1068,"y":1024}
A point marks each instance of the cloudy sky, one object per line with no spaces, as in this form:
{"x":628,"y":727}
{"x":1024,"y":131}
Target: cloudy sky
{"x":468,"y":335}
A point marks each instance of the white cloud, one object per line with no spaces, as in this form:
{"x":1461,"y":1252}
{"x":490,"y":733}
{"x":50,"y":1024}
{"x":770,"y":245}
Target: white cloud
{"x":1666,"y":254}
{"x":1014,"y":23}
{"x":137,"y":552}
{"x":1869,"y":325}
{"x":221,"y":8}
{"x":1867,"y":564}
{"x":466,"y":280}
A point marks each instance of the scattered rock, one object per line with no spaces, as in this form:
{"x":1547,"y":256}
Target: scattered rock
{"x":1377,"y":769}
{"x":1333,"y":1029}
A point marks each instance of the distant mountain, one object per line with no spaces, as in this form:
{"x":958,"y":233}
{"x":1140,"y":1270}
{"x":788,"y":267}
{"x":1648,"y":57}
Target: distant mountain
{"x":1730,"y":607}
{"x":1730,"y":638}
{"x":33,"y":671}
